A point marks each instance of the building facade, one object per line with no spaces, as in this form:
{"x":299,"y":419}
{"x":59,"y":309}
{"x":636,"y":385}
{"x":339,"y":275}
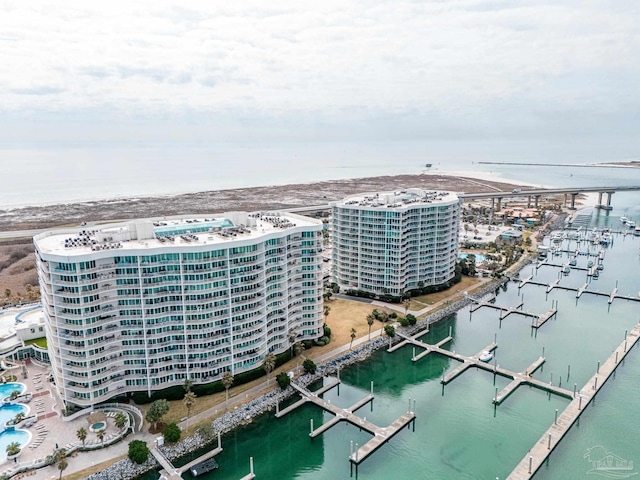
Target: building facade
{"x":394,"y":242}
{"x":143,"y":306}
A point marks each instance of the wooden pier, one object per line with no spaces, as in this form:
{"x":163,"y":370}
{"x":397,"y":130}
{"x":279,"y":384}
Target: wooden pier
{"x":538,"y":454}
{"x":381,"y":435}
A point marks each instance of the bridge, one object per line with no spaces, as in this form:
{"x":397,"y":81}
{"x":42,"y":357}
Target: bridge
{"x":536,"y":193}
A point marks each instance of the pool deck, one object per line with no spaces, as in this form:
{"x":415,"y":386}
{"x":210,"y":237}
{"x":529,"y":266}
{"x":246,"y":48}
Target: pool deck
{"x":51,"y":432}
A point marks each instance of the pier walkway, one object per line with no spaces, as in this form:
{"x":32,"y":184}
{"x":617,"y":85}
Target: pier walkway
{"x":579,"y":291}
{"x":538,"y":454}
{"x":518,"y":378}
{"x":539,"y":319}
{"x":381,"y":435}
{"x":170,"y":472}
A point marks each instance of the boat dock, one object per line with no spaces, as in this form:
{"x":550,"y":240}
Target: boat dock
{"x":381,"y":435}
{"x":538,"y":454}
{"x":542,"y":319}
{"x":305,"y":399}
{"x":583,"y":289}
{"x":539,"y":319}
{"x":170,"y":472}
{"x":518,"y":378}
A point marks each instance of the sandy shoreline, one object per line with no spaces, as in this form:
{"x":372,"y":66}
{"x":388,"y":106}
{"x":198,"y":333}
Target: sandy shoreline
{"x":250,"y":199}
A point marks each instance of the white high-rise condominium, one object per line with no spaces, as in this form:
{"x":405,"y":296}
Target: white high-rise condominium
{"x":142,"y":306}
{"x":394,"y":242}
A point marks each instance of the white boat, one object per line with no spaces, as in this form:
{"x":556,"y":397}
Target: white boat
{"x":631,"y":224}
{"x":624,"y":219}
{"x":485,"y":356}
{"x":636,"y":231}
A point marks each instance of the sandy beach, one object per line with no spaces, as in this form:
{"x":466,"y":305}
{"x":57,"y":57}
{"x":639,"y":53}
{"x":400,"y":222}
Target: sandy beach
{"x":249,"y":199}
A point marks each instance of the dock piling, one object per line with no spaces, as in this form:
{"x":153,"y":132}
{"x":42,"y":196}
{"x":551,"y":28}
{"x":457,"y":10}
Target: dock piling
{"x":311,"y":419}
{"x":555,"y":421}
{"x":598,"y":367}
{"x":595,"y":383}
{"x":549,"y":443}
{"x":575,"y":386}
{"x":251,"y":465}
{"x":568,"y":372}
{"x":616,"y":357}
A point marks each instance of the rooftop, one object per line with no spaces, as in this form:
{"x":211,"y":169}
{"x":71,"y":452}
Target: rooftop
{"x":399,"y":199}
{"x":184,"y":231}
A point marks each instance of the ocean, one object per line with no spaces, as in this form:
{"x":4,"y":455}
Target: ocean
{"x":66,"y":173}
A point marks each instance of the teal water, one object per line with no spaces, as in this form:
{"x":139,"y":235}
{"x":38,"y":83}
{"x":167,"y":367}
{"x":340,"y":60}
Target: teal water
{"x":458,"y":432}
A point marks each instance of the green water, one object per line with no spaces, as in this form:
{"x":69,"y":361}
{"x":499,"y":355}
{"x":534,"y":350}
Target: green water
{"x":458,"y":432}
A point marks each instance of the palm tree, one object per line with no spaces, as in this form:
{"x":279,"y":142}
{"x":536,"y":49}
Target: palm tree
{"x":227,"y":381}
{"x":189,"y":401}
{"x":81,"y":434}
{"x":292,"y":338}
{"x":62,"y":465}
{"x":353,"y":336}
{"x":298,"y":348}
{"x":269,"y":364}
{"x":120,"y":419}
{"x":187,"y":385}
{"x":100,"y":435}
{"x":13,"y":448}
{"x":406,"y":302}
{"x":326,"y":310}
{"x":370,"y":320}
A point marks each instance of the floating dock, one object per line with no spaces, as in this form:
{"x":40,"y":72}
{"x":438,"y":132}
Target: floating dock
{"x":538,"y":454}
{"x":381,"y":435}
{"x":518,"y":378}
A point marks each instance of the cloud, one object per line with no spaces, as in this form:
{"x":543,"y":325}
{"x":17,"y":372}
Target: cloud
{"x":464,"y":63}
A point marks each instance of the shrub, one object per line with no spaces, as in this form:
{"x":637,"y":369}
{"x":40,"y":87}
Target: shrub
{"x":390,"y":331}
{"x":411,"y":319}
{"x":283,"y":380}
{"x":171,"y":433}
{"x":309,"y":366}
{"x":393,"y":315}
{"x":327,"y":331}
{"x":138,"y":451}
{"x":403,"y":322}
{"x":206,"y":432}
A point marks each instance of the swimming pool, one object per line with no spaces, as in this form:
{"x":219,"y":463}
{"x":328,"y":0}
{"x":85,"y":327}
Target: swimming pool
{"x":7,"y":437}
{"x":479,"y":256}
{"x":9,"y":411}
{"x":7,"y":388}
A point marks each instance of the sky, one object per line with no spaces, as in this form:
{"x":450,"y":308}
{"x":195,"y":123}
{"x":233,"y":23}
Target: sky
{"x":278,"y":70}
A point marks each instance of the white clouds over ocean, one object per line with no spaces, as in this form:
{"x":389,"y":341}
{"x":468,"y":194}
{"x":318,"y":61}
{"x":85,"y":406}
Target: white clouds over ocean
{"x":464,"y":65}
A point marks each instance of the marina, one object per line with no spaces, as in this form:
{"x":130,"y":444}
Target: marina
{"x":487,"y":393}
{"x":381,"y":435}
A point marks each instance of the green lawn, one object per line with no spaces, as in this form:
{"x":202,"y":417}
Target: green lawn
{"x":41,"y":342}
